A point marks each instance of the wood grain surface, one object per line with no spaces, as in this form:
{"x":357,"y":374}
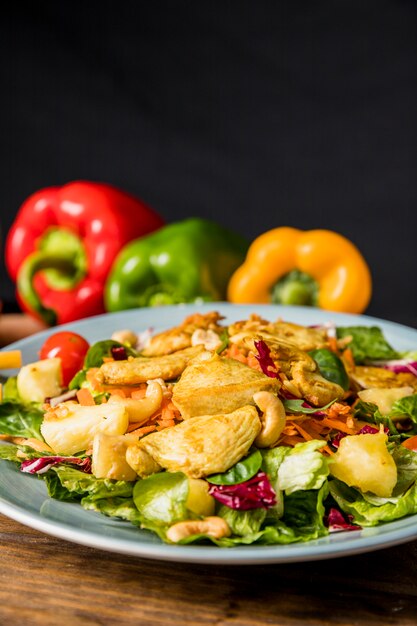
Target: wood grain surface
{"x":50,"y":582}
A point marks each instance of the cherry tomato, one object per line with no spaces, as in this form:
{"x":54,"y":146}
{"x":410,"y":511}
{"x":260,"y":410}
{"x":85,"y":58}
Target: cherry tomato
{"x":70,"y":348}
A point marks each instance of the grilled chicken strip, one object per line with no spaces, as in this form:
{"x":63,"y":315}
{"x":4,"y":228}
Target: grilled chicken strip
{"x":204,"y":445}
{"x":218,"y":385}
{"x":142,"y":369}
{"x":179,"y":338}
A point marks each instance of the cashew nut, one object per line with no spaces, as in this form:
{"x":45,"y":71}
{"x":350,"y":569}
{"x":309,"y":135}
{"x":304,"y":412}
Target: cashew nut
{"x":140,"y":411}
{"x":208,"y":338}
{"x":125,"y":336}
{"x":272,"y":419}
{"x":213,"y":526}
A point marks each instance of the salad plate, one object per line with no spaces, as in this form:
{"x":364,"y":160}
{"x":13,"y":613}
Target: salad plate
{"x":24,"y":497}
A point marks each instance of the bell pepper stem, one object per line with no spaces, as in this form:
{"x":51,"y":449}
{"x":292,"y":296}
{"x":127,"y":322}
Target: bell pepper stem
{"x":295,"y":288}
{"x":34,"y":263}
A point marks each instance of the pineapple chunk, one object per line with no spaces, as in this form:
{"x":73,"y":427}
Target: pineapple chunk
{"x":384,"y":398}
{"x":40,"y":380}
{"x":69,"y":427}
{"x":199,"y":501}
{"x":363,"y":461}
{"x":109,"y":457}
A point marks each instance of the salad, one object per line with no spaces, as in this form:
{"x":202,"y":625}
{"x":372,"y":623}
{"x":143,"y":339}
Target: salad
{"x":252,"y":432}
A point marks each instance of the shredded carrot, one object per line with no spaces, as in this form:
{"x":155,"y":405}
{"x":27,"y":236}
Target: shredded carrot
{"x":338,"y":425}
{"x":144,"y":430}
{"x":253,"y":362}
{"x":233,"y":352}
{"x":303,"y":432}
{"x":332,"y":341}
{"x":348,"y":357}
{"x":84,"y":397}
{"x":162,"y":424}
{"x":107,"y":359}
{"x":118,"y":392}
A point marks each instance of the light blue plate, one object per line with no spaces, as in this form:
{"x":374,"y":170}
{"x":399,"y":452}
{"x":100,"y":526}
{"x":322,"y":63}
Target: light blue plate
{"x":24,"y":498}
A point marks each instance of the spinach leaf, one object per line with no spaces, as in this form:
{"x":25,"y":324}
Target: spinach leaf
{"x":98,"y":351}
{"x":78,"y":380}
{"x":20,"y":420}
{"x":368,"y":343}
{"x":239,"y":473}
{"x":224,"y":338}
{"x":331,"y":367}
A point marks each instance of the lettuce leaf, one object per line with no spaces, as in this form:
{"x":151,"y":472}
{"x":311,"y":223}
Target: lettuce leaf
{"x":368,"y":343}
{"x":242,"y":522}
{"x":123,"y":508}
{"x":406,"y":406}
{"x":161,"y":498}
{"x":304,"y":467}
{"x":367,"y":513}
{"x":20,"y":420}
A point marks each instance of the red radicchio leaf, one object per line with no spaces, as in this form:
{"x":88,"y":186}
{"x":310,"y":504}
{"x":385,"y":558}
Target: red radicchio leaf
{"x":44,"y":463}
{"x":255,"y":493}
{"x":336,"y":522}
{"x":265,"y":361}
{"x":119,"y":353}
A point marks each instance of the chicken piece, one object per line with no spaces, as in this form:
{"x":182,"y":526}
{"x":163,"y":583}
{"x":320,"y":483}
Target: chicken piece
{"x":142,"y":369}
{"x":304,"y":338}
{"x":366,"y":376}
{"x":301,"y":370}
{"x":179,"y":338}
{"x":208,"y":387}
{"x":204,"y":445}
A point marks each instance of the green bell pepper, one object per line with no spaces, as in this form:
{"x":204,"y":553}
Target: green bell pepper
{"x":186,"y":261}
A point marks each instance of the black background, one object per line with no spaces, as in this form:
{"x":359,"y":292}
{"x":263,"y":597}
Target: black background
{"x":256,"y":114}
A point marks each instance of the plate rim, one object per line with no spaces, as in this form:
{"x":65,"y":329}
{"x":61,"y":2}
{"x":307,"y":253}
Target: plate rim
{"x":239,"y":555}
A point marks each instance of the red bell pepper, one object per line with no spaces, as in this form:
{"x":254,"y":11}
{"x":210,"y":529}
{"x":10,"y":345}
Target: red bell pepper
{"x":63,"y":242}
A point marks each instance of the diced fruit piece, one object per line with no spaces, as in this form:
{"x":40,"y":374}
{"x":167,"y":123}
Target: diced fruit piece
{"x":69,"y":427}
{"x":10,"y":359}
{"x":363,"y":461}
{"x":384,"y":398}
{"x":109,"y":457}
{"x":40,"y":380}
{"x":199,"y":501}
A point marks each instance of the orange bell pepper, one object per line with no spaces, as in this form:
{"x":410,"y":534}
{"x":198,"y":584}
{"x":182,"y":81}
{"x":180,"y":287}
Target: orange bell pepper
{"x":323,"y":268}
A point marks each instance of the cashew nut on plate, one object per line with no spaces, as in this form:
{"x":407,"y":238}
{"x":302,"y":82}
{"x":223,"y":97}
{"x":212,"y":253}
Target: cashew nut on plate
{"x":272,"y":419}
{"x":213,"y":526}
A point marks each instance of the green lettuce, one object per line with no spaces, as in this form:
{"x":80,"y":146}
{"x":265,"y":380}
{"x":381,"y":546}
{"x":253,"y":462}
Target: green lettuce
{"x":242,"y":522}
{"x":366,"y":513}
{"x":368,"y":343}
{"x":304,"y":467}
{"x":20,"y":420}
{"x":161,"y":498}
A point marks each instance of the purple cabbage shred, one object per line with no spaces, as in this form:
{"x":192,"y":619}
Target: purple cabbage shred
{"x":265,"y":361}
{"x":44,"y":463}
{"x":336,"y":522}
{"x":255,"y":493}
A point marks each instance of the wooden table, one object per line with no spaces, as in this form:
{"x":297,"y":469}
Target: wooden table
{"x":47,"y":581}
